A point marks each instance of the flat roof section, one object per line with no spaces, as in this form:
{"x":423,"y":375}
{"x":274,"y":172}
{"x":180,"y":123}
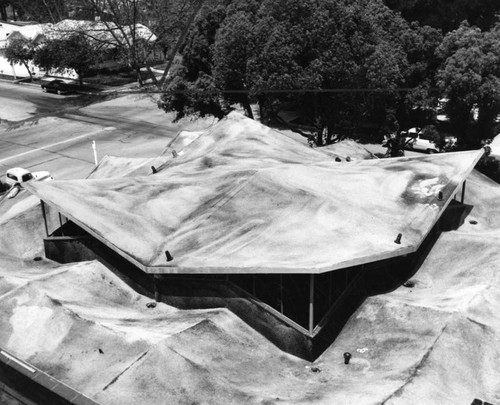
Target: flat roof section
{"x":235,"y":217}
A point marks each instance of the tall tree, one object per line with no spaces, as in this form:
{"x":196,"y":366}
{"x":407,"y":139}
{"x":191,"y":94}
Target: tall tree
{"x":42,"y":11}
{"x":3,"y":9}
{"x":120,"y":24}
{"x":22,"y":51}
{"x":345,"y":50}
{"x":470,"y":78}
{"x":117,"y":26}
{"x":335,"y":61}
{"x":417,"y":107}
{"x":448,"y":15}
{"x":234,"y":46}
{"x":192,"y":90}
{"x":72,"y":52}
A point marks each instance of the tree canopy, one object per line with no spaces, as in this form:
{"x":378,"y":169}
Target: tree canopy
{"x":448,"y":15}
{"x":20,"y":50}
{"x":337,"y":62}
{"x":470,"y":79}
{"x":71,"y":52}
{"x":343,"y":65}
{"x":339,"y":65}
{"x":42,"y":10}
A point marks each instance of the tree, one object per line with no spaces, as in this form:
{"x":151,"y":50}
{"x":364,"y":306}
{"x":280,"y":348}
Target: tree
{"x":73,"y":52}
{"x":20,"y":50}
{"x":294,"y":52}
{"x":116,"y":26}
{"x":200,"y":97}
{"x":41,"y":10}
{"x":420,"y":46}
{"x":470,"y":78}
{"x":233,"y":47}
{"x":352,"y":48}
{"x":3,"y":9}
{"x":448,"y":15}
{"x":119,"y":24}
{"x":192,"y":90}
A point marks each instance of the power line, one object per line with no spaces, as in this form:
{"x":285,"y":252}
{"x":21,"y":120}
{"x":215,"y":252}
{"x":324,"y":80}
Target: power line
{"x":270,"y":91}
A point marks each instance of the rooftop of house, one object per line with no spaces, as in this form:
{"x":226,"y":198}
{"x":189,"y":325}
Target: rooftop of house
{"x":96,"y":30}
{"x":244,"y":198}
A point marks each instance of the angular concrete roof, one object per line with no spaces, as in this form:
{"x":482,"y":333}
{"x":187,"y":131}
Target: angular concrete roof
{"x":243,"y":198}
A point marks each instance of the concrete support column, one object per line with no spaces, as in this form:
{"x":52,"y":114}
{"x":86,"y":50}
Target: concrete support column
{"x":156,"y":282}
{"x":281,"y":293}
{"x":44,"y":218}
{"x":61,"y":224}
{"x":311,"y":303}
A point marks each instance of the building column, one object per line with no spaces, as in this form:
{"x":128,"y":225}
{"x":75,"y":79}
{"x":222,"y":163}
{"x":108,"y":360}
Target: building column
{"x":311,"y":303}
{"x":281,"y":294}
{"x":44,"y":217}
{"x":61,"y":224}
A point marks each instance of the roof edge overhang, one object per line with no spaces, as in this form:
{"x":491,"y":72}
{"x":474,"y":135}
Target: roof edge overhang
{"x":175,"y":268}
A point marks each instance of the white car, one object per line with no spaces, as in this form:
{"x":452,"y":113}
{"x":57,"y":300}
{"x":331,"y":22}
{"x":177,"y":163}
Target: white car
{"x":415,"y":139}
{"x":18,"y":176}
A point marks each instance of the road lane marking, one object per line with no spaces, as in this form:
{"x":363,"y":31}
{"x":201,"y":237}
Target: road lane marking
{"x":45,"y":147}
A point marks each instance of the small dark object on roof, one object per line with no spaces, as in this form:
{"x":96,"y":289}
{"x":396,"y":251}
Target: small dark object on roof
{"x":398,"y":239}
{"x":409,"y":284}
{"x":473,"y":222}
{"x":337,"y":159}
{"x":151,"y":305}
{"x":169,"y":256}
{"x":479,"y":402}
{"x":37,"y":258}
{"x":347,"y":357}
{"x":315,"y":369}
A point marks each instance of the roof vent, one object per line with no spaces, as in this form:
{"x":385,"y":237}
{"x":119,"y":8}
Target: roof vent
{"x":398,"y":239}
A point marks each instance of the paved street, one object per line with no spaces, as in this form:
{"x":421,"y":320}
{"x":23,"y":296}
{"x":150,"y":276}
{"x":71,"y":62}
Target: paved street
{"x":41,"y":131}
{"x":21,"y":101}
{"x":50,"y":132}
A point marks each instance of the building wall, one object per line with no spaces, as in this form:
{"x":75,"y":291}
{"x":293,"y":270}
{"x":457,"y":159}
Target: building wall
{"x":17,"y":71}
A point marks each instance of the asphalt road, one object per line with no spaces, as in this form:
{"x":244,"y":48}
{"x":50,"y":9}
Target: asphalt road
{"x":42,"y":131}
{"x":30,"y":101}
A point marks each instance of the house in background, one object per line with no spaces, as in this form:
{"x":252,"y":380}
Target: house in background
{"x":11,"y":29}
{"x":107,"y":36}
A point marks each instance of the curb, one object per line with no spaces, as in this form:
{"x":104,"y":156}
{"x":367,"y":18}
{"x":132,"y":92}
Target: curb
{"x":19,"y":82}
{"x":96,"y":88}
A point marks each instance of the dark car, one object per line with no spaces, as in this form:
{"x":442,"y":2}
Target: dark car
{"x":57,"y":86}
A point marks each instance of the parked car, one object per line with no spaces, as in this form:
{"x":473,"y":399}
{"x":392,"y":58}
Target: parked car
{"x":57,"y":86}
{"x":18,"y":176}
{"x":416,"y":139}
